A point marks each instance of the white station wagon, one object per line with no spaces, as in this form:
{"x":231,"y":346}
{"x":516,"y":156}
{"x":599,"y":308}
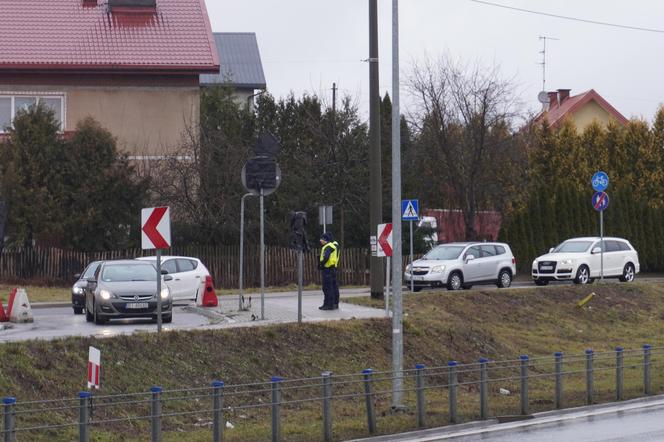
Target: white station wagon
{"x":579,"y":260}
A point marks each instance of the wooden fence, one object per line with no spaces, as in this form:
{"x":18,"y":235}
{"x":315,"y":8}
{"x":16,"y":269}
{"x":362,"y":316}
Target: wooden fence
{"x":57,"y":266}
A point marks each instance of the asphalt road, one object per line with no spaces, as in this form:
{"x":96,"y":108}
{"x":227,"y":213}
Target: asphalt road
{"x":637,"y":420}
{"x":56,"y":320}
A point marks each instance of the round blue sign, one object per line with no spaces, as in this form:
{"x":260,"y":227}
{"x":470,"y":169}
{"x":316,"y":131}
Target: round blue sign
{"x":600,"y":181}
{"x":600,"y":201}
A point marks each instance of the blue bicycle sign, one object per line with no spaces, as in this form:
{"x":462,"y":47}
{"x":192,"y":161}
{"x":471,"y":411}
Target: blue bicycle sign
{"x":600,"y":181}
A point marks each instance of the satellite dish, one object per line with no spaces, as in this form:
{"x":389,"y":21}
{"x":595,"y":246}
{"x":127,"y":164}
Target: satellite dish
{"x":543,"y":97}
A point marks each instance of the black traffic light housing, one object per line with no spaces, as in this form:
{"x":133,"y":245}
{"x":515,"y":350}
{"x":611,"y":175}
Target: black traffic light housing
{"x":298,"y":231}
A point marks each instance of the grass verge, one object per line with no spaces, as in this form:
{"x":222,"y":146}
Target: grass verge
{"x":438,"y":327}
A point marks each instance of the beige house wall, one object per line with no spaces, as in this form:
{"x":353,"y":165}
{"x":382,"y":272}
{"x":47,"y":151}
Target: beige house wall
{"x":589,"y":113}
{"x":148,"y":115}
{"x":145,"y":121}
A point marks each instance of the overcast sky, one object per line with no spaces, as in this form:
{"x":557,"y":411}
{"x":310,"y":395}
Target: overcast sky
{"x":306,"y":45}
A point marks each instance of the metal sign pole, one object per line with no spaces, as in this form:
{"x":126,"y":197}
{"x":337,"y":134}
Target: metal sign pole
{"x":262,"y":257}
{"x":158,"y":290}
{"x":241,"y":281}
{"x":387,"y":286}
{"x":412,"y":280}
{"x":601,"y":243}
{"x":300,"y":254}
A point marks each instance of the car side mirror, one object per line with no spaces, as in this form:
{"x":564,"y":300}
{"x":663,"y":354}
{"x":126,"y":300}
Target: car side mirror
{"x":168,"y":278}
{"x":551,"y":250}
{"x":91,"y":282}
{"x":77,"y":275}
{"x":470,"y":258}
{"x":164,"y":272}
{"x":596,"y":250}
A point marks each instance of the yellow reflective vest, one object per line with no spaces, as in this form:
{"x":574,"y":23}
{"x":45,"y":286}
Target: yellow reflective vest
{"x":333,"y":260}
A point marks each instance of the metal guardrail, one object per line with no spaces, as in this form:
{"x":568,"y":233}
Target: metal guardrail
{"x":219,"y":399}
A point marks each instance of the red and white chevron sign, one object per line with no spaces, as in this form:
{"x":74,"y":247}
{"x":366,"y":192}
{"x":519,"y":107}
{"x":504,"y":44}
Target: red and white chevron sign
{"x":94,"y":368}
{"x":156,"y":228}
{"x":384,"y":240}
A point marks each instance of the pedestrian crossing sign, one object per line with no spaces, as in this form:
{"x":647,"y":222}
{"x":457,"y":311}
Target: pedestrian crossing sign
{"x":410,"y":210}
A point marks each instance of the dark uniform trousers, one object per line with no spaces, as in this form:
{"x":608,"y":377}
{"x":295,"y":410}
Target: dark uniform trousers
{"x":330,"y":287}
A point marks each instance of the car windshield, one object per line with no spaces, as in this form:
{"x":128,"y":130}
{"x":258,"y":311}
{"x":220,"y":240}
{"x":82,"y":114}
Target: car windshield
{"x":91,"y":270}
{"x":129,"y":272}
{"x":444,"y":253}
{"x":572,"y":247}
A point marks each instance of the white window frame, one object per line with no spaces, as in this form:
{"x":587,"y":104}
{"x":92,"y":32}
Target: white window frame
{"x":12,"y":95}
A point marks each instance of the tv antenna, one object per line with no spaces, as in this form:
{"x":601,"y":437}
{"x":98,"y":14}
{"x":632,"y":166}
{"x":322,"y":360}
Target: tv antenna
{"x":544,"y":38}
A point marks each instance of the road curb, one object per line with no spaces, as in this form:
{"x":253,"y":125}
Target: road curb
{"x":50,"y":304}
{"x":216,"y":316}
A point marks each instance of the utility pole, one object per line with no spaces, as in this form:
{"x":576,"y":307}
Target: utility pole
{"x":334,"y":98}
{"x":375,"y":182}
{"x":397,"y":266}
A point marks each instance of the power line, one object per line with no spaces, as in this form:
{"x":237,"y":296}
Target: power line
{"x":566,"y":17}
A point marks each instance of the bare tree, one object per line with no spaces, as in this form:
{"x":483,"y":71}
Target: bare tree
{"x":467,"y":148}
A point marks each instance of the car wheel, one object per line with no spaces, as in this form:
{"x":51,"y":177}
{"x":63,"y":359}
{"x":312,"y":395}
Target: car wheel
{"x":455,"y":281}
{"x":88,"y":316}
{"x":78,"y":310}
{"x":167,"y":319}
{"x":98,"y":319}
{"x":628,"y":274}
{"x":582,"y":275}
{"x":417,"y":289}
{"x":541,"y":282}
{"x":504,"y":279}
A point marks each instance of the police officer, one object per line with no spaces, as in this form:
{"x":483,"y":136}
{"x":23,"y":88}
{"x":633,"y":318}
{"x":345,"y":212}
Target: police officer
{"x":329,"y":258}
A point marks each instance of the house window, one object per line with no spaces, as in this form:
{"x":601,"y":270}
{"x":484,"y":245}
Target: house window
{"x":5,"y":113}
{"x":10,"y":105}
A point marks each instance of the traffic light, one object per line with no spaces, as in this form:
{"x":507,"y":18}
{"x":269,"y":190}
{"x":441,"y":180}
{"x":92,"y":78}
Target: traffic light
{"x":298,"y":231}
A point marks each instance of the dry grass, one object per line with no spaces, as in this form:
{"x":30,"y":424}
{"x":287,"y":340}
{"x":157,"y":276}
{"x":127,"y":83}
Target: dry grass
{"x":439,"y":326}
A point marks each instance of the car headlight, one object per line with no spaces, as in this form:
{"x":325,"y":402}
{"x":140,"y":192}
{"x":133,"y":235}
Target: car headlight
{"x":535,"y":263}
{"x":165,"y":292}
{"x":567,"y":261}
{"x":77,"y":290}
{"x":105,"y":295}
{"x":408,"y":268}
{"x":438,"y":269}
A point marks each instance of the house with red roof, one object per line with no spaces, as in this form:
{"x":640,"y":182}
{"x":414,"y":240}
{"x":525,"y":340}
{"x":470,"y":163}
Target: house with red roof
{"x":582,"y":109}
{"x":133,"y":65}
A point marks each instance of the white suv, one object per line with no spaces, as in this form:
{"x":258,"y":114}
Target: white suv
{"x":461,"y":265}
{"x":579,"y":260}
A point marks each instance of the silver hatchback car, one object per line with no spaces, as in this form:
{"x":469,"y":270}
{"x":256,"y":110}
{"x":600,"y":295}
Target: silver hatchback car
{"x":126,"y":289}
{"x":462,"y":265}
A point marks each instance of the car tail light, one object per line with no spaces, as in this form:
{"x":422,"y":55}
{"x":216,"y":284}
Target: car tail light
{"x":513,"y":260}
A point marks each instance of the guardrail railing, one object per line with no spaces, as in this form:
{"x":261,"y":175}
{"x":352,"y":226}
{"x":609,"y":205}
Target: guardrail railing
{"x":435,"y":395}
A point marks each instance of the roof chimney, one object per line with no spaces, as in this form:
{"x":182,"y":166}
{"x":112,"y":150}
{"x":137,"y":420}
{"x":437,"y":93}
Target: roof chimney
{"x":553,"y":99}
{"x":563,"y":94}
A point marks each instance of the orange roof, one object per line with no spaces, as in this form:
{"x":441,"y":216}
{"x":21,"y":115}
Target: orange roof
{"x":558,"y":112}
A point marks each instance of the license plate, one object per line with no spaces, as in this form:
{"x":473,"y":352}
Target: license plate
{"x":419,"y":278}
{"x":137,"y":305}
{"x":546,"y":268}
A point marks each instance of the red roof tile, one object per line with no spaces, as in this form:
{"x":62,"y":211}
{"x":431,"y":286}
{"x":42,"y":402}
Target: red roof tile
{"x":557,"y":112}
{"x":83,"y":36}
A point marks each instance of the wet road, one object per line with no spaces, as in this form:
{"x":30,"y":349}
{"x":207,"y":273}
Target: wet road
{"x":639,"y":420}
{"x":632,"y":425}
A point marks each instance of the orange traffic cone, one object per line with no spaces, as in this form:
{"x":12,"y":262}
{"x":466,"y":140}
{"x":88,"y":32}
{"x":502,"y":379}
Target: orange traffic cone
{"x":209,"y":295}
{"x":3,"y":315}
{"x":10,"y":303}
